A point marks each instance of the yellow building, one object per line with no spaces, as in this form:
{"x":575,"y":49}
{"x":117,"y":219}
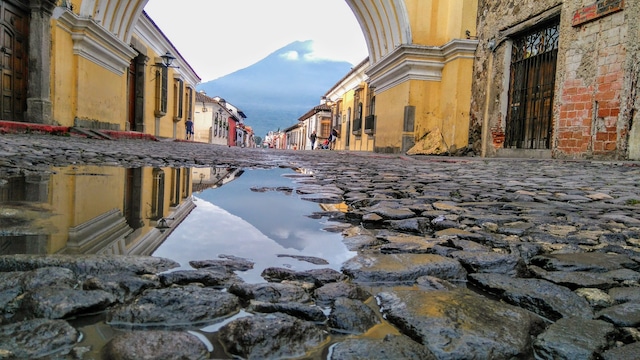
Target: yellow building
{"x":421,"y":56}
{"x":93,"y":64}
{"x":98,"y":63}
{"x":352,"y":104}
{"x":211,"y":120}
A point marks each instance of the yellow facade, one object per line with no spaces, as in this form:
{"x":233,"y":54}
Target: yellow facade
{"x":421,"y":58}
{"x":351,"y":139}
{"x":122,"y":215}
{"x":96,"y":76}
{"x":390,"y":117}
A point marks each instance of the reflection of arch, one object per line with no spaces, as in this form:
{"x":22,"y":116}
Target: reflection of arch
{"x":384,"y":23}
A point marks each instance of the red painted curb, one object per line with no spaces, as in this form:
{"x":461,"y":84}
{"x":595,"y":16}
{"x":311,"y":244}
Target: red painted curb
{"x":19,"y":127}
{"x":13,"y":127}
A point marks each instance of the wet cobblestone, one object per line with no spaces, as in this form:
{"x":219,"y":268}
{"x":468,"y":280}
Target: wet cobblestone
{"x":510,"y":226}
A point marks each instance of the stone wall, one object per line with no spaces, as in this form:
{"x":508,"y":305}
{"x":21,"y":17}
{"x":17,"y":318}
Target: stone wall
{"x":595,"y":91}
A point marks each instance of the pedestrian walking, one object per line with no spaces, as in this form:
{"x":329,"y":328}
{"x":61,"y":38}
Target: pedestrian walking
{"x":313,"y":138}
{"x":332,"y":138}
{"x":189,"y":125}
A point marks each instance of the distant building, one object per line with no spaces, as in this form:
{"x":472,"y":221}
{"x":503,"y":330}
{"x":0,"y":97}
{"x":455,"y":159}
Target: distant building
{"x":211,"y":123}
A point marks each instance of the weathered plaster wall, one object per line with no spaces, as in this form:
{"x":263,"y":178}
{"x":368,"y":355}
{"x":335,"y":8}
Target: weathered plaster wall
{"x":596,"y":78}
{"x":590,"y":86}
{"x":491,"y":67}
{"x":630,"y":99}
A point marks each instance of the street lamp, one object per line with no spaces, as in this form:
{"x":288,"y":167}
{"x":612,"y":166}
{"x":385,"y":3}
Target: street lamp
{"x":167,"y":60}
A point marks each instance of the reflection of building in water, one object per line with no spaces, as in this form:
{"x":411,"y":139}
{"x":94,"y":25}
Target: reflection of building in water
{"x":211,"y":178}
{"x":92,"y":210}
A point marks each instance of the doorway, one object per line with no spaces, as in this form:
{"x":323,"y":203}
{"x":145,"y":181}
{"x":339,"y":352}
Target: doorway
{"x":531,"y":90}
{"x":14,"y":30}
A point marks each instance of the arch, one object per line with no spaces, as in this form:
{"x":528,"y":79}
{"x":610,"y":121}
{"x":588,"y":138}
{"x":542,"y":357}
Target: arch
{"x":117,"y":16}
{"x":384,"y":23}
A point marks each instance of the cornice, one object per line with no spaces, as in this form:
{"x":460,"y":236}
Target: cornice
{"x":348,"y":83}
{"x":93,"y":42}
{"x":148,"y":32}
{"x":417,"y":62}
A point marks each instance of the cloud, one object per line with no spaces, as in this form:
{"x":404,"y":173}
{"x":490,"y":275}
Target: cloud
{"x":343,"y":40}
{"x":290,"y":55}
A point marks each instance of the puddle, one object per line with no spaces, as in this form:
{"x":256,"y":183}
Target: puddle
{"x":270,"y":227}
{"x":180,"y":214}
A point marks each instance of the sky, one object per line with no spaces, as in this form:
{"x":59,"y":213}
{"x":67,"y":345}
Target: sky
{"x":218,"y":37}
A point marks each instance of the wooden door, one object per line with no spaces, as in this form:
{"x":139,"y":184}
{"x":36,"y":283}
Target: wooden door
{"x":13,"y":60}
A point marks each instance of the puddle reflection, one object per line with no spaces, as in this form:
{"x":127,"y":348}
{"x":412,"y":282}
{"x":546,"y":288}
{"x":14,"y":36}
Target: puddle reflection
{"x":91,"y":209}
{"x":181,"y":214}
{"x":258,"y":226}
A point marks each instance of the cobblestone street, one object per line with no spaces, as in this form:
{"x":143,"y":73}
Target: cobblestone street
{"x":557,"y":238}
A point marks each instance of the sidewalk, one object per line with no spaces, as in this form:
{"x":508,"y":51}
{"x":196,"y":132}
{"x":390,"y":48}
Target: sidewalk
{"x":13,"y":127}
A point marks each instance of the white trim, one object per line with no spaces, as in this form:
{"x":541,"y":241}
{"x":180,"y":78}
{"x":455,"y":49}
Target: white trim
{"x":93,"y":42}
{"x":352,"y":80}
{"x":417,"y":62}
{"x":147,"y":32}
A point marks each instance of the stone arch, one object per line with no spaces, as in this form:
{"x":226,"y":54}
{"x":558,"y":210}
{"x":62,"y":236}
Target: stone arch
{"x":384,"y":23}
{"x":119,"y":17}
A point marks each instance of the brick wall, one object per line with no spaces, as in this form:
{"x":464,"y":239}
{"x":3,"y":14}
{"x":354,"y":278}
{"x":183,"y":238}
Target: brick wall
{"x":589,"y":106}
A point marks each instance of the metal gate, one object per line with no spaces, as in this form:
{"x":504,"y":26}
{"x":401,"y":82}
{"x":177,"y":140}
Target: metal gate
{"x":531,"y":88}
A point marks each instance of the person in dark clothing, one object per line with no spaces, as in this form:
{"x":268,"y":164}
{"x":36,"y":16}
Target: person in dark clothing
{"x":189,"y":125}
{"x":333,"y":137}
{"x":313,"y":138}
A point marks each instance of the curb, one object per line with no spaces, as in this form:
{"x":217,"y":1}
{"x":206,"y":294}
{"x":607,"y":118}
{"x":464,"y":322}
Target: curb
{"x":14,"y":127}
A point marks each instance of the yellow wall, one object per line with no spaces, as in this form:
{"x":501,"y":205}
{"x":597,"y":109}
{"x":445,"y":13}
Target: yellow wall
{"x":390,"y":117}
{"x":82,"y":89}
{"x":166,"y":128}
{"x":63,"y":78}
{"x":101,"y":94}
{"x":439,"y":103}
{"x":436,"y":22}
{"x":80,"y":194}
{"x":456,"y":89}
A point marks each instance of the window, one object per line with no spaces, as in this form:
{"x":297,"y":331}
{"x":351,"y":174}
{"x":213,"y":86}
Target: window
{"x":178,"y":94}
{"x":369,"y":120}
{"x":186,"y":180}
{"x":357,"y":116}
{"x":189,"y":103}
{"x":157,"y":197}
{"x":325,"y":127}
{"x":175,"y":187}
{"x":357,"y":120}
{"x":161,"y":91}
{"x":531,"y":88}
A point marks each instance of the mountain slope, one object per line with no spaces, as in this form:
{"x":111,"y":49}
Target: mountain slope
{"x":274,"y":92}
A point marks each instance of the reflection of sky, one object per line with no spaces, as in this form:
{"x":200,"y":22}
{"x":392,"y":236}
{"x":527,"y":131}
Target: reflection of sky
{"x":233,"y":220}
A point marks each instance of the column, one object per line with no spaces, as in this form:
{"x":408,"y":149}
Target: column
{"x":39,"y":82}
